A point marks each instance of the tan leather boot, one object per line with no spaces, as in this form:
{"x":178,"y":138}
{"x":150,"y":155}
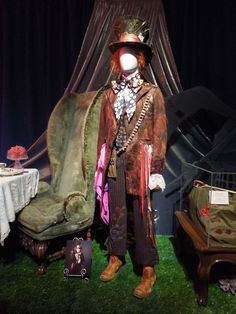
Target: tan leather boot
{"x":112,"y":268}
{"x":144,"y":288}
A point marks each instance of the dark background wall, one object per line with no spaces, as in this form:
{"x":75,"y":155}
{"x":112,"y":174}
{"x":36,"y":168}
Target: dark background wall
{"x":202,"y":36}
{"x":40,"y":42}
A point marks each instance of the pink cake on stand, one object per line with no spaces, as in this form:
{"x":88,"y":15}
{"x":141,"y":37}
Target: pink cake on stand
{"x":17,"y":153}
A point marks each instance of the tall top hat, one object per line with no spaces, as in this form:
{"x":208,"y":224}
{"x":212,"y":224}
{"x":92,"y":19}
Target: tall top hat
{"x":132,"y":32}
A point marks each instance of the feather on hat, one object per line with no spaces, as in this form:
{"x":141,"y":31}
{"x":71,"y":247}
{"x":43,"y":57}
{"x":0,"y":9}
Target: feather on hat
{"x":132,"y":32}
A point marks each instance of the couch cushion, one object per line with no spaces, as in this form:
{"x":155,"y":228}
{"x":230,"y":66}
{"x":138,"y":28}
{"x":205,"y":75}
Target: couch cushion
{"x":68,"y":203}
{"x":42,"y":213}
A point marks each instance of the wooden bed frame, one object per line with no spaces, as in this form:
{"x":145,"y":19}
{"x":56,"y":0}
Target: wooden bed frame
{"x":208,"y":256}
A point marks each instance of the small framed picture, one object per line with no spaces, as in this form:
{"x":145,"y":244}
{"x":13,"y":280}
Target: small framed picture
{"x":78,"y":258}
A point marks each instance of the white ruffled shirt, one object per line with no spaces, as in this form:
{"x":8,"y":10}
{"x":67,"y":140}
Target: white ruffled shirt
{"x":156,"y":180}
{"x":126,"y":97}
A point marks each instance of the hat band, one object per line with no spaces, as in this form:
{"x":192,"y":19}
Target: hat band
{"x":130,"y":38}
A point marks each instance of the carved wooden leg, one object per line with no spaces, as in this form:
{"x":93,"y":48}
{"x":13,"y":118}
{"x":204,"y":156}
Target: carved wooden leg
{"x":57,"y":254}
{"x":88,"y":234}
{"x":203,"y":272}
{"x":40,"y":251}
{"x":36,"y":248}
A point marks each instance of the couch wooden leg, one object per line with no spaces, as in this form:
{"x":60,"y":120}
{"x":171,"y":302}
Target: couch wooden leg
{"x":40,"y":251}
{"x":88,"y":234}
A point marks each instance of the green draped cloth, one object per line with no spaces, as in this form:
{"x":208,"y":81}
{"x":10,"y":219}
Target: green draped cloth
{"x":67,"y":204}
{"x":218,"y":222}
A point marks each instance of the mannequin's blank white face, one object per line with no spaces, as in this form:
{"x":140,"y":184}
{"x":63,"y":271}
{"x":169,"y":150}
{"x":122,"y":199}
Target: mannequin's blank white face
{"x":128,"y":60}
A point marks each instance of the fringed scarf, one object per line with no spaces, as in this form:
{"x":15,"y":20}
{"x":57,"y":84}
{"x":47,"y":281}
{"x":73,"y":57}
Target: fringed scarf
{"x":146,"y":152}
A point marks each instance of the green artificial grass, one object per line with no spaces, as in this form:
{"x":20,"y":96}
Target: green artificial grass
{"x":24,"y":291}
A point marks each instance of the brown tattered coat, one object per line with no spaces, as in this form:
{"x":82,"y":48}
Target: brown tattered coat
{"x":153,"y":131}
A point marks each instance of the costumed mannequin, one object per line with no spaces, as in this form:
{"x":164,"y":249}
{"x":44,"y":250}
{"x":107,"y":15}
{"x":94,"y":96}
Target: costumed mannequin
{"x":131,"y":151}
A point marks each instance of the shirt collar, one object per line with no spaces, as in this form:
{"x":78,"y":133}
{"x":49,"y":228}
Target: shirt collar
{"x":132,"y":81}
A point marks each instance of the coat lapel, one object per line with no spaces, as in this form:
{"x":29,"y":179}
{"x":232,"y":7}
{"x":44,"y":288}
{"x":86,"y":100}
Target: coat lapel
{"x":143,"y":91}
{"x":112,"y":98}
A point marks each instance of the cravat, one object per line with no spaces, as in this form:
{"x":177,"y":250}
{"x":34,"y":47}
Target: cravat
{"x":126,"y":90}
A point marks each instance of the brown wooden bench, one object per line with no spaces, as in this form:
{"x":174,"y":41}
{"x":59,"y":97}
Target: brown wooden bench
{"x":208,"y":256}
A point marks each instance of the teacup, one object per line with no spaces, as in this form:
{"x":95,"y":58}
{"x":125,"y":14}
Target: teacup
{"x":2,"y":165}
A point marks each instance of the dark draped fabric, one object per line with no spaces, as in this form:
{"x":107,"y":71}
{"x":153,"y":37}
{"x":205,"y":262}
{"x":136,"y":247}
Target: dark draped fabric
{"x":92,"y":69}
{"x":40,"y":41}
{"x":202,"y":36}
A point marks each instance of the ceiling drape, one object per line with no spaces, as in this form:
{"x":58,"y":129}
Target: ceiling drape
{"x":92,"y":69}
{"x":187,"y":141}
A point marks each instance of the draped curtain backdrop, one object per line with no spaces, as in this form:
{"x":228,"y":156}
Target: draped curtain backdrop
{"x":202,"y":36}
{"x":92,"y":69}
{"x":39,"y":64}
{"x":40,"y":41}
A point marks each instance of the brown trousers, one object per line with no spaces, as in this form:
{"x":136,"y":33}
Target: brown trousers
{"x":128,"y":227}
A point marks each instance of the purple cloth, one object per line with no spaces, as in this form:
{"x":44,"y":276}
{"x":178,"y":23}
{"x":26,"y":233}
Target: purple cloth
{"x":228,"y":285}
{"x":102,"y":195}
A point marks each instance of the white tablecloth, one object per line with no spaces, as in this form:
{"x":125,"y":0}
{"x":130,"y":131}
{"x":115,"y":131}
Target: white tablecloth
{"x":15,"y":193}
